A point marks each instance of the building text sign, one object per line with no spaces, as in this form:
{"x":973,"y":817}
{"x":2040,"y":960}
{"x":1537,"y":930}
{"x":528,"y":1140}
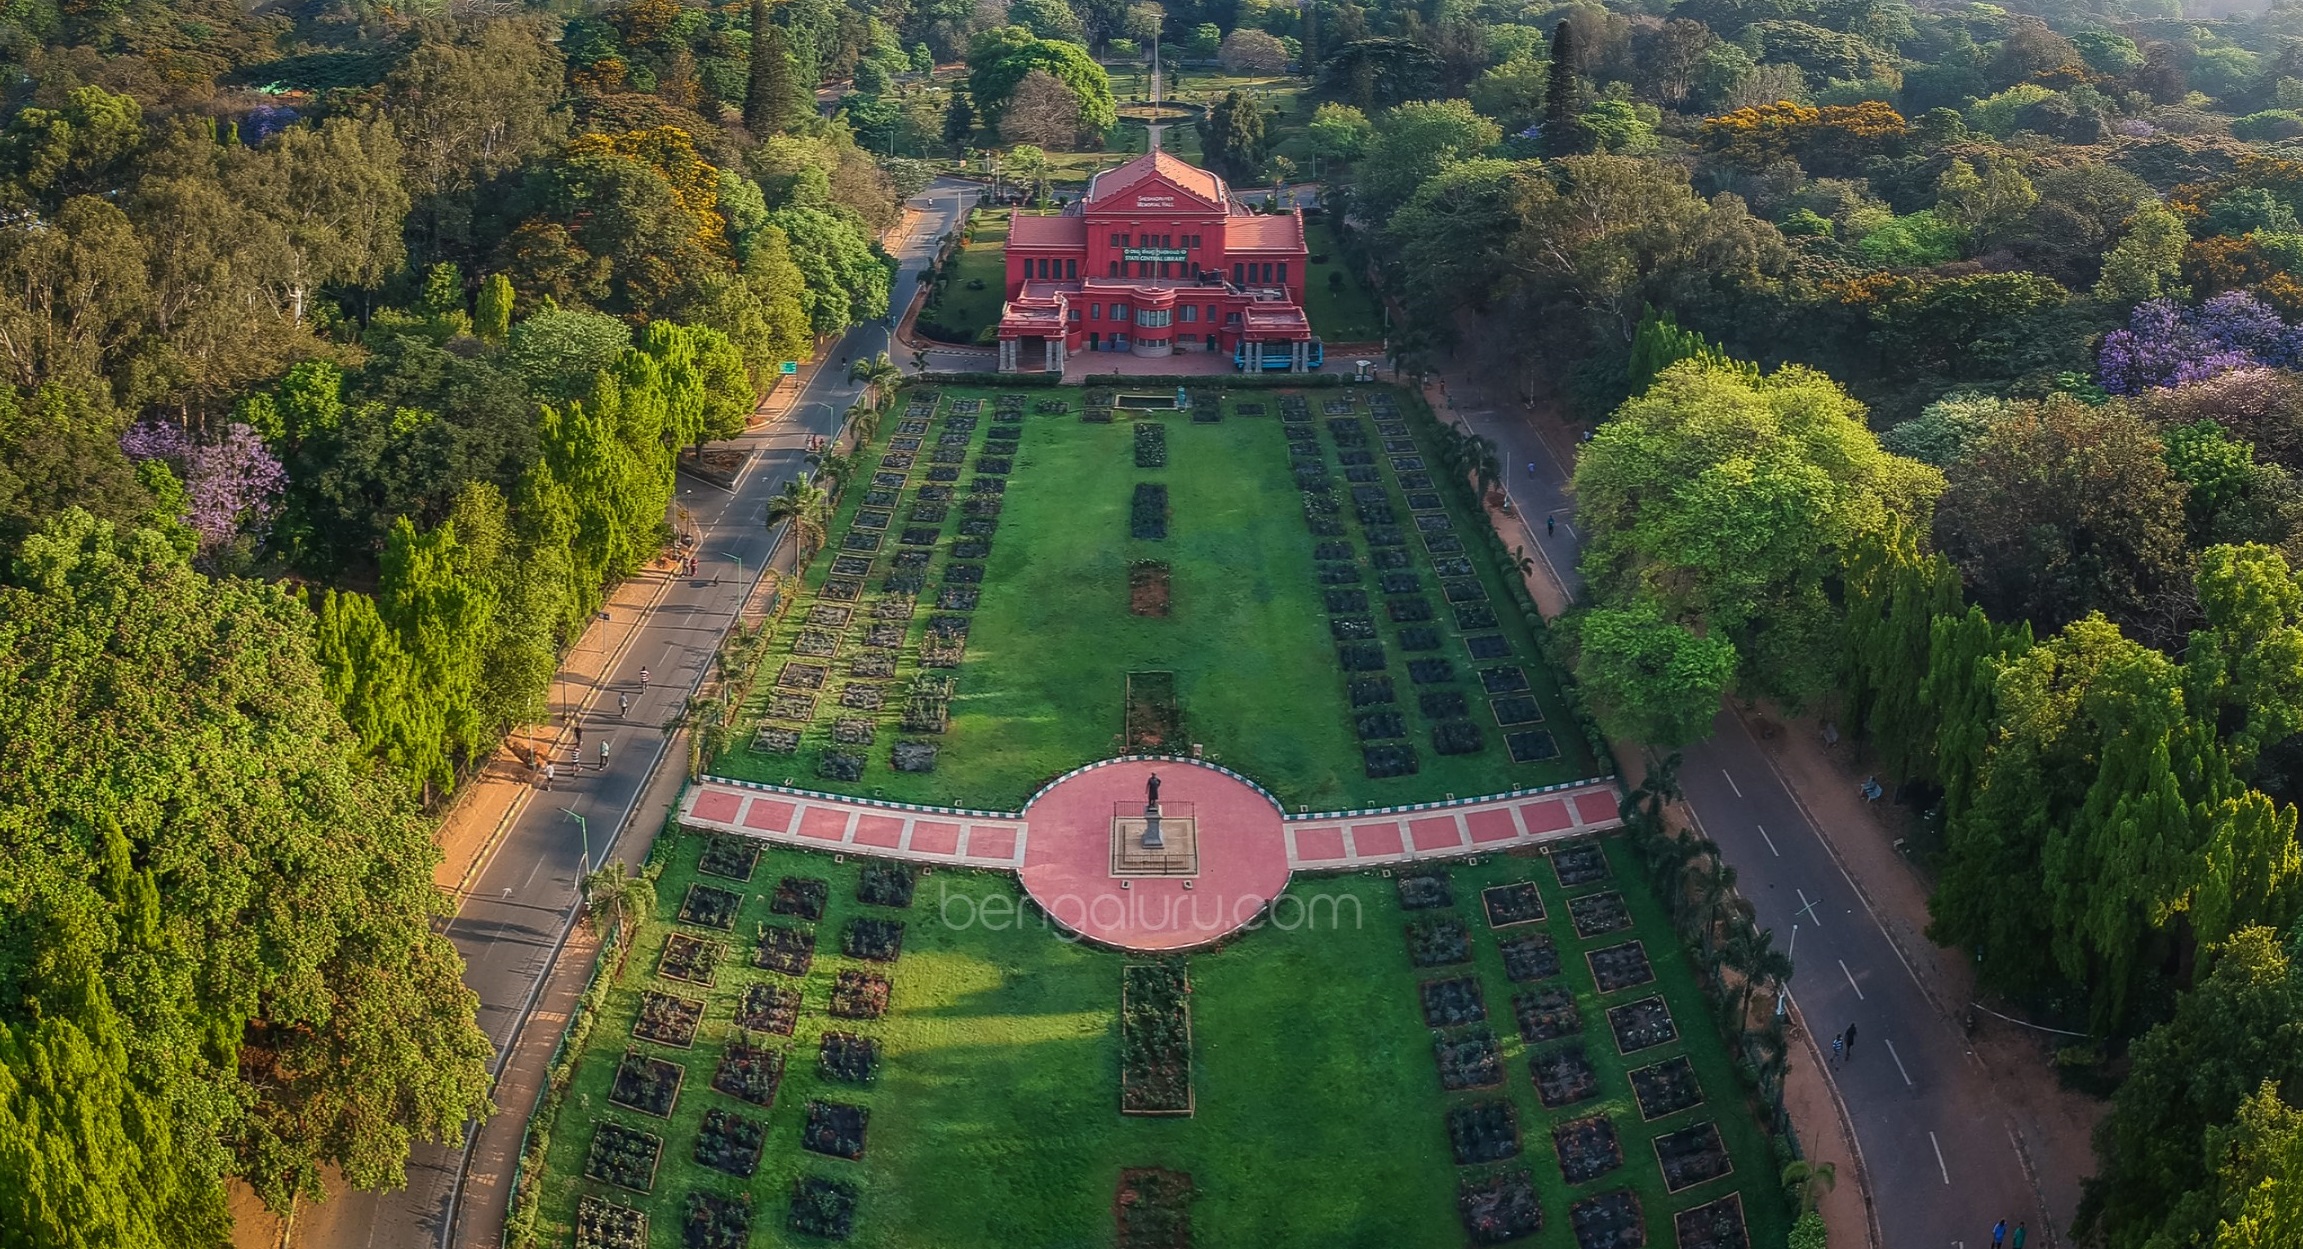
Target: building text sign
{"x":1154,"y":253}
{"x":1155,"y":201}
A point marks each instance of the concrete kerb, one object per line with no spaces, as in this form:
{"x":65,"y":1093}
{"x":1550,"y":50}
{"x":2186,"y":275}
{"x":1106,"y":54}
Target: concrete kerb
{"x":1873,"y":1236}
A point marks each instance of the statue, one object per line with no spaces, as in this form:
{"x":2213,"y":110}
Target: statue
{"x":1152,"y":840}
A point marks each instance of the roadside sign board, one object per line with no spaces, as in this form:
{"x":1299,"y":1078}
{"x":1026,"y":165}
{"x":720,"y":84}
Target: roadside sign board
{"x":788,"y":367}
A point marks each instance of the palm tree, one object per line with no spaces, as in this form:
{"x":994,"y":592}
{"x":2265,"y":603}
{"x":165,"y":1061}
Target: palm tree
{"x":1750,"y":952}
{"x":616,"y":899}
{"x":1807,"y":1182}
{"x":834,"y":469}
{"x":880,"y":377}
{"x":863,"y":420}
{"x":805,"y":506}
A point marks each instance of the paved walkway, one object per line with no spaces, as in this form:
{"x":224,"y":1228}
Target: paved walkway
{"x":1320,"y":842}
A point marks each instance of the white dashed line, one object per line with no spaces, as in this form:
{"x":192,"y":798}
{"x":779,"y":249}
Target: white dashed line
{"x":1899,"y":1064}
{"x":1850,"y":979}
{"x":1731,"y":783}
{"x":1939,"y":1158}
{"x":1770,"y":843}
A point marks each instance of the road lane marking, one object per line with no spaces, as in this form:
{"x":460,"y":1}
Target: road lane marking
{"x":1770,"y":843}
{"x":1850,"y":979}
{"x":1899,"y":1064}
{"x":1939,"y":1158}
{"x":1807,"y":908}
{"x":1731,"y":783}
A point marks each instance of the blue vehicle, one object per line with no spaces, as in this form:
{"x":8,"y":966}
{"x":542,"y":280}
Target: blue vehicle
{"x":1276,"y":360}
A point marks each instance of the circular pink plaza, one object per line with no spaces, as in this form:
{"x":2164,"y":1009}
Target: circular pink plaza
{"x":1223,"y":857}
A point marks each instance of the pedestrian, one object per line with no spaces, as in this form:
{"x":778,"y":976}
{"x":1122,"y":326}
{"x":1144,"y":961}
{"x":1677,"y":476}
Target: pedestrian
{"x":579,"y":740}
{"x":603,"y":756}
{"x":643,"y":676}
{"x":1531,"y":468}
{"x":551,"y":774}
{"x":623,"y":703}
{"x":2020,"y":1232}
{"x":1851,"y":1040}
{"x":1550,"y":525}
{"x":1838,"y":1047}
{"x":1998,"y":1234}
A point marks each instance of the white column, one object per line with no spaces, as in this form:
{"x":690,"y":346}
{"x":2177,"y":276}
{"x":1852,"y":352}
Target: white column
{"x":1056,"y":355}
{"x":1254,"y":356}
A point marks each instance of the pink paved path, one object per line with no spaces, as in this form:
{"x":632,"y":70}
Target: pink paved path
{"x":1060,"y":843}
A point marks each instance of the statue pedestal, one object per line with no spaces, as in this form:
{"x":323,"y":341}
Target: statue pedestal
{"x":1154,"y":839}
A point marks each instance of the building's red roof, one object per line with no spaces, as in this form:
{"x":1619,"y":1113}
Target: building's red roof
{"x":1191,"y":179}
{"x":1024,"y":231}
{"x":1282,"y":233}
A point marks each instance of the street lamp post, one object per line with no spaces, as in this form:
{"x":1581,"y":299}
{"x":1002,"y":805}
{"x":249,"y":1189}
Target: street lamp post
{"x":584,"y":831}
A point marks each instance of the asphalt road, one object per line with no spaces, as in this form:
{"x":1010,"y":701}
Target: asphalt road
{"x":524,"y":900}
{"x":1942,"y":1156}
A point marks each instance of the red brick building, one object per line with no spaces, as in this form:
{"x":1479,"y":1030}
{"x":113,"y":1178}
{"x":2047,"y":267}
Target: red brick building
{"x":1156,"y":258}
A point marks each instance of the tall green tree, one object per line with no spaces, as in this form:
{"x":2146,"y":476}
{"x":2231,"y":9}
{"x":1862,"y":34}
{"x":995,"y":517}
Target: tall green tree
{"x":1231,"y":136}
{"x":1562,"y":111}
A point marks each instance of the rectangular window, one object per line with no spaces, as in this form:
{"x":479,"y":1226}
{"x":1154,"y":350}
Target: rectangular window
{"x":1236,"y":279}
{"x":1095,"y":312}
{"x":1191,"y":312}
{"x":1075,"y":314}
{"x":1071,"y":268}
{"x":1115,"y":238}
{"x":1283,"y":274}
{"x":1119,"y":312}
{"x":1211,"y":313}
{"x":1267,"y":273}
{"x":1115,"y":269}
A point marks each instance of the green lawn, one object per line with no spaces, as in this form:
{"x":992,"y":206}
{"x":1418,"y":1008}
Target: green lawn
{"x":1345,"y":313}
{"x":963,"y":312}
{"x":1320,"y":1119}
{"x":1051,"y":640}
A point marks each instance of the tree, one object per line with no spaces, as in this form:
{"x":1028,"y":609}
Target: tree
{"x":1512,"y":93}
{"x":959,"y":120}
{"x":1446,"y":238}
{"x":466,"y":110}
{"x":805,"y":507}
{"x":1725,"y":498}
{"x":1042,"y":111}
{"x":1048,"y":19}
{"x":72,"y":295}
{"x":999,"y":59}
{"x":1379,"y":71}
{"x":1651,"y":678}
{"x":774,"y":100}
{"x":48,"y":155}
{"x":1231,"y":134}
{"x":1562,"y":129}
{"x":1411,"y":143}
{"x":2148,"y":259}
{"x":880,"y":377}
{"x":1340,"y":132}
{"x":615,"y":899}
{"x":492,"y":317}
{"x":1251,"y":51}
{"x":337,"y":193}
{"x":1984,"y":204}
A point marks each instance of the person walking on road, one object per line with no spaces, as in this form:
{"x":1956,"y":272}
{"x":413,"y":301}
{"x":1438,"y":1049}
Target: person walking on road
{"x":623,"y":703}
{"x":2020,"y":1232}
{"x":1999,"y":1234}
{"x":1531,"y":468}
{"x":550,"y":774}
{"x":603,"y":756}
{"x":1851,"y":1040}
{"x":643,"y":676}
{"x":1550,"y":525}
{"x":1838,"y":1047}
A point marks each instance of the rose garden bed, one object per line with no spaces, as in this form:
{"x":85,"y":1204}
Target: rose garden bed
{"x":749,"y":1073}
{"x":1546,"y":1014}
{"x":1150,"y":444}
{"x":731,"y":1143}
{"x":1587,"y":1148}
{"x":1713,"y":1225}
{"x":768,"y":1008}
{"x":1154,"y":715}
{"x":622,"y":1156}
{"x":647,"y":1084}
{"x":1666,"y":1088}
{"x":1147,"y":514}
{"x":788,"y":950}
{"x":1608,"y":1221}
{"x":605,"y":1225}
{"x":732,"y":858}
{"x":1530,"y":957}
{"x":708,"y":907}
{"x":1483,"y":1131}
{"x":1148,"y":588}
{"x":692,"y":959}
{"x":667,"y":1020}
{"x":1620,"y":966}
{"x":1597,"y":913}
{"x":823,"y":1208}
{"x":1153,"y":1208}
{"x":873,"y":940}
{"x":1155,"y":1039}
{"x":1578,"y":863}
{"x":1641,"y":1025}
{"x":1563,"y":1076}
{"x":835,"y":1129}
{"x":1500,"y":1208}
{"x":1420,"y":891}
{"x":1471,"y":1061}
{"x":1511,"y":904}
{"x":1438,"y":942}
{"x":803,"y":896}
{"x":716,"y":1222}
{"x":859,"y":995}
{"x":847,"y":1058}
{"x":1692,"y":1155}
{"x":886,"y":884}
{"x":1453,"y":1003}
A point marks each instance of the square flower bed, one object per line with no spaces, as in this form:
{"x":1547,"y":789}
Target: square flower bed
{"x":1148,"y":587}
{"x":1379,"y":725}
{"x":605,"y":1225}
{"x":750,"y":1073}
{"x":841,"y":766}
{"x":1389,"y":761}
{"x":860,"y":540}
{"x":1351,"y":628}
{"x":775,"y":741}
{"x":842,"y":589}
{"x":1578,"y":863}
{"x":1340,"y":574}
{"x":948,"y":472}
{"x":1152,"y":714}
{"x":1508,"y":680}
{"x":1424,"y":891}
{"x":1531,"y":747}
{"x":1415,"y":481}
{"x":709,"y":907}
{"x":1420,"y":638}
{"x":1400,"y":583}
{"x":1151,"y":445}
{"x":886,"y":884}
{"x":928,"y":703}
{"x":1511,"y":904}
{"x":1563,"y":1076}
{"x":1325,"y":527}
{"x":906,"y":583}
{"x":873,"y":519}
{"x":1546,"y":1014}
{"x":1373,"y":691}
{"x":786,"y":949}
{"x":1470,"y":1061}
{"x":1474,"y":616}
{"x":997,"y":465}
{"x":1438,"y":942}
{"x":1375,"y":513}
{"x":1516,"y":709}
{"x":1608,"y":1221}
{"x":958,"y":598}
{"x":647,"y":1084}
{"x":1620,"y":966}
{"x":913,"y":757}
{"x":1666,"y":1088}
{"x":942,"y":651}
{"x":878,"y":665}
{"x":934,"y":494}
{"x":1484,"y":1131}
{"x":1435,"y":522}
{"x":827,"y":616}
{"x":1457,"y":737}
{"x":1488,"y":646}
{"x":874,"y":940}
{"x":768,"y":1008}
{"x":920,"y":535}
{"x":1692,"y":1155}
{"x":964,"y":574}
{"x":1441,"y":704}
{"x":1155,"y":1039}
{"x":801,"y":707}
{"x":1360,"y":657}
{"x":1499,"y":1209}
{"x":1154,"y":1208}
{"x":1346,"y":602}
{"x":859,"y":995}
{"x":1529,"y":958}
{"x":803,"y":896}
{"x":730,"y":1142}
{"x":798,"y":676}
{"x":847,"y":1057}
{"x":1385,"y":535}
{"x":1147,"y":513}
{"x":819,"y":643}
{"x":1430,"y":671}
{"x":1453,"y":1003}
{"x":928,"y":513}
{"x":1641,"y":1025}
{"x":692,"y":959}
{"x":716,"y":1222}
{"x":1413,"y":609}
{"x":884,"y":637}
{"x":622,"y":1156}
{"x":1712,"y":1225}
{"x":730,"y":858}
{"x":1596,"y":913}
{"x":665,"y":1019}
{"x":987,"y":485}
{"x":913,"y":560}
{"x":1333,"y":550}
{"x":835,"y":1129}
{"x":1587,"y":1148}
{"x":1390,"y":558}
